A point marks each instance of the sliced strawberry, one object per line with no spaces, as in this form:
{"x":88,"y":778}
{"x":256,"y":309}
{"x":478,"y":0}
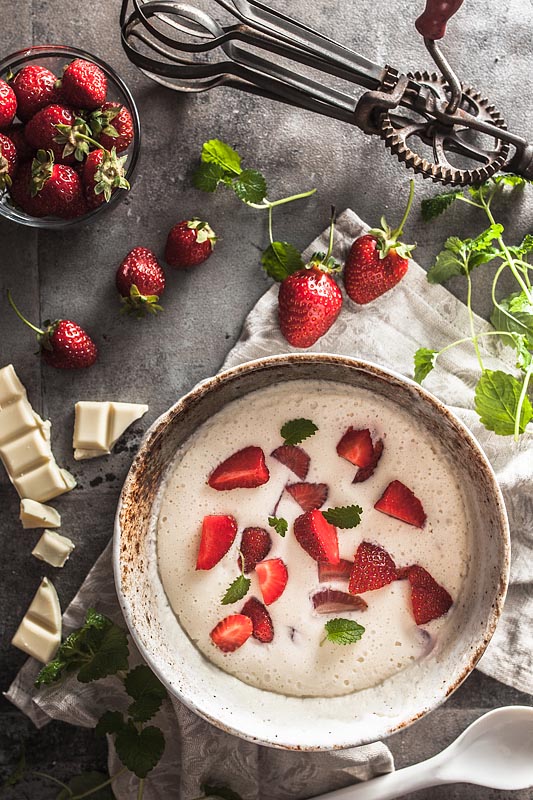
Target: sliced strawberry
{"x":402,"y":573}
{"x":261,"y":620}
{"x":255,"y":546}
{"x":364,"y":473}
{"x":429,"y":599}
{"x":294,"y":458}
{"x":331,"y":601}
{"x":273,"y":576}
{"x":356,"y":447}
{"x":372,"y":568}
{"x":400,"y":502}
{"x":245,"y":469}
{"x":334,"y":572}
{"x":218,"y":533}
{"x":308,"y":495}
{"x":232,"y":632}
{"x":317,"y":537}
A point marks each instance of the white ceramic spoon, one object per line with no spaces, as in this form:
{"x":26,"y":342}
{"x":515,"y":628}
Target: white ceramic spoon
{"x":495,"y":751}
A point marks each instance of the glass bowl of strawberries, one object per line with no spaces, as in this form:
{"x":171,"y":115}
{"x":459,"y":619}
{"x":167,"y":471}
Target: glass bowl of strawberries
{"x":69,"y":136}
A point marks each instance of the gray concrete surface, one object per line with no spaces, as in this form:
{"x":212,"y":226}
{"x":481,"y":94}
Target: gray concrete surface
{"x":155,"y":361}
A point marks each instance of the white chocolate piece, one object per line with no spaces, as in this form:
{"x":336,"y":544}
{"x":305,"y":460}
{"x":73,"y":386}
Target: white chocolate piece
{"x":16,"y":420}
{"x":10,"y":386}
{"x":42,"y":484}
{"x":123,"y":415}
{"x":37,"y":515}
{"x":69,"y":479}
{"x":89,"y":439}
{"x":53,"y":548}
{"x":25,"y":453}
{"x":39,"y":633}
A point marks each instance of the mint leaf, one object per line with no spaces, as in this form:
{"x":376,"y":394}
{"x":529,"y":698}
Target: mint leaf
{"x":496,"y":402}
{"x":218,"y":152}
{"x":296,"y":430}
{"x":424,"y":363}
{"x":344,"y":516}
{"x":250,"y":186}
{"x":147,"y":692}
{"x":208,"y":176}
{"x":521,"y":321}
{"x":446,"y":266}
{"x":520,"y":302}
{"x":280,"y":260}
{"x":139,"y":751}
{"x":524,"y":357}
{"x":109,"y":722}
{"x":236,"y":591}
{"x":509,"y":179}
{"x":279,"y":524}
{"x":221,"y":792}
{"x":342,"y":631}
{"x":434,"y":206}
{"x":86,"y":783}
{"x":108,"y":654}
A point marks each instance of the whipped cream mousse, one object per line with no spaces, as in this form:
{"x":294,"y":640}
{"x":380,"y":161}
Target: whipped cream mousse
{"x":396,"y":572}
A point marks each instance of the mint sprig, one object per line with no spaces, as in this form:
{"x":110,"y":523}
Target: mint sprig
{"x":344,"y":516}
{"x":236,"y":590}
{"x":280,"y":260}
{"x":279,"y":524}
{"x":147,"y":693}
{"x":342,"y":631}
{"x":297,"y":430}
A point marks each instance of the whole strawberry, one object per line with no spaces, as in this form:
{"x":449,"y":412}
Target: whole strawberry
{"x":189,"y":243}
{"x":58,"y":185}
{"x":20,"y":192}
{"x":41,"y":132}
{"x":140,"y":282}
{"x":377,"y":261}
{"x":63,"y":343}
{"x":8,"y":105}
{"x":84,"y":84}
{"x":8,"y":161}
{"x":24,"y":151}
{"x":102,"y":174}
{"x":112,"y":126}
{"x":34,"y":87}
{"x":309,"y":300}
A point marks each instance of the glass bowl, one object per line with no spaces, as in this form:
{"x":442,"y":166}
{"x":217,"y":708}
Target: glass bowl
{"x":55,"y":57}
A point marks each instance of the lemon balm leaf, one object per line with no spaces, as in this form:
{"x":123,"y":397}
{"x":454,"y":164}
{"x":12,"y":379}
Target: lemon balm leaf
{"x":218,"y":152}
{"x":296,"y":430}
{"x":342,"y":631}
{"x":424,"y":363}
{"x":236,"y":591}
{"x":496,"y":400}
{"x":344,"y":516}
{"x":279,"y":524}
{"x":147,"y":693}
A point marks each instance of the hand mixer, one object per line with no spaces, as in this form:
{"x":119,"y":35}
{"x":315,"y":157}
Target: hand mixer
{"x":184,"y":48}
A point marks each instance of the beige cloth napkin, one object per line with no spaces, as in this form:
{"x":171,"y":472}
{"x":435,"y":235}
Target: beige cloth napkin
{"x":387,"y":332}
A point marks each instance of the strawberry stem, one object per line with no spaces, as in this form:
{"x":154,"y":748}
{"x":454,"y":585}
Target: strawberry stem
{"x":19,"y":315}
{"x":331,"y":232}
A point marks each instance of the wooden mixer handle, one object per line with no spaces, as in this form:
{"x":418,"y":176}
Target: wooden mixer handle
{"x":432,"y":22}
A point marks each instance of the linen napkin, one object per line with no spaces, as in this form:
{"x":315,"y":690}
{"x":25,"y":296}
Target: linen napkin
{"x":387,"y":332}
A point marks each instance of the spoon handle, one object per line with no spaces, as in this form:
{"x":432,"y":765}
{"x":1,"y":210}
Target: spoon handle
{"x":394,"y":784}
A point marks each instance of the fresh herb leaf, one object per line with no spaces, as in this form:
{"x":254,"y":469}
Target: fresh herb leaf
{"x":342,"y":631}
{"x":208,"y":176}
{"x":521,"y":321}
{"x":344,"y":516}
{"x":496,"y":401}
{"x":109,"y":722}
{"x":221,"y":792}
{"x":141,"y":750}
{"x":250,"y":186}
{"x":237,"y":590}
{"x":147,"y":692}
{"x":424,"y":363}
{"x":108,"y":653}
{"x":461,"y":256}
{"x":524,"y":356}
{"x":509,"y":179}
{"x":446,"y":266}
{"x":218,"y":152}
{"x":432,"y":207}
{"x":280,"y":260}
{"x":279,"y":524}
{"x":86,"y":783}
{"x":296,"y":430}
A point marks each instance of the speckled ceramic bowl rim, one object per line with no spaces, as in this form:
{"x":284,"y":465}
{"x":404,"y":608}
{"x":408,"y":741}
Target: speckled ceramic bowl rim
{"x":383,"y":373}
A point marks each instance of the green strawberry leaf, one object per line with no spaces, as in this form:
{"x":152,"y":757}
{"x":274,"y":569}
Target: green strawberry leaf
{"x":424,"y":363}
{"x":109,"y":722}
{"x":236,"y":591}
{"x":139,"y":751}
{"x":296,"y":430}
{"x":279,"y":524}
{"x":218,"y":152}
{"x":147,"y":692}
{"x":496,"y":401}
{"x":280,"y":260}
{"x":521,"y":321}
{"x":86,"y":784}
{"x":342,"y":631}
{"x":250,"y":186}
{"x":208,"y":176}
{"x":344,"y":516}
{"x":433,"y":207}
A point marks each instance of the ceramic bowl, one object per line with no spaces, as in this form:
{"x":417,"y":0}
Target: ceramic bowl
{"x":265,"y":717}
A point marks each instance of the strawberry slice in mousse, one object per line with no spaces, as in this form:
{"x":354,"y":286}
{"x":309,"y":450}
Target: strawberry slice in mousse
{"x":317,"y":537}
{"x":356,"y":447}
{"x":400,"y":502}
{"x":372,"y":568}
{"x":255,"y":546}
{"x":332,"y":601}
{"x":309,"y":496}
{"x":245,"y":469}
{"x":364,"y":473}
{"x":263,"y":629}
{"x":294,"y":458}
{"x":218,"y":534}
{"x":272,"y":575}
{"x":429,"y":599}
{"x":232,"y":632}
{"x":334,"y":572}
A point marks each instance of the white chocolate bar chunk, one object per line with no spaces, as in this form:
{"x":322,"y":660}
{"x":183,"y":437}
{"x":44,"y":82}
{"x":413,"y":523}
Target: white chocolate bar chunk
{"x":53,"y":548}
{"x":41,"y":484}
{"x":39,"y":633}
{"x":69,"y":479}
{"x":16,"y":420}
{"x":23,"y":454}
{"x":10,"y":386}
{"x":122,"y":416}
{"x":89,"y":440}
{"x":37,"y":515}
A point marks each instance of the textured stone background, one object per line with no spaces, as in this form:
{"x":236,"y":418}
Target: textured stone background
{"x":71,"y":274}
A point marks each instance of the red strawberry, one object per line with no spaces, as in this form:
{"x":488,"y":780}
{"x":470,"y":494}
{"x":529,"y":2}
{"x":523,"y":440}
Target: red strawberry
{"x":218,"y":533}
{"x":308,"y":495}
{"x":334,"y":572}
{"x":245,"y":469}
{"x":400,"y":502}
{"x":272,"y":575}
{"x":332,"y":601}
{"x":356,"y":447}
{"x":8,"y":105}
{"x":34,"y":87}
{"x":255,"y":546}
{"x":377,"y":261}
{"x":317,"y":537}
{"x":232,"y":632}
{"x":263,"y":630}
{"x":8,"y":161}
{"x":372,"y":568}
{"x":294,"y":458}
{"x":309,"y":303}
{"x":429,"y":599}
{"x":58,"y":185}
{"x":84,"y":85}
{"x":41,"y":131}
{"x":111,"y":119}
{"x":189,"y":243}
{"x":364,"y":473}
{"x":103,"y":172}
{"x":21,"y":192}
{"x":140,"y":282}
{"x":16,"y":134}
